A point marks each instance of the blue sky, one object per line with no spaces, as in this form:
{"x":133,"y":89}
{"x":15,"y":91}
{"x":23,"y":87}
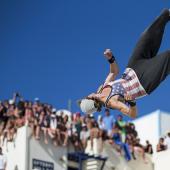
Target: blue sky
{"x":54,"y":49}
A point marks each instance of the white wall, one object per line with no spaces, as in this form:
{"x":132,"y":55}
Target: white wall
{"x":153,"y":126}
{"x":161,"y":160}
{"x":21,"y":152}
{"x":16,"y":151}
{"x":148,"y":127}
{"x":165,"y":123}
{"x":45,"y":152}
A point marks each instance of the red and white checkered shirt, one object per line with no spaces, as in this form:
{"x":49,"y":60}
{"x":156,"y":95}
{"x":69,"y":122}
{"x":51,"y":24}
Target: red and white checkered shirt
{"x":129,"y":84}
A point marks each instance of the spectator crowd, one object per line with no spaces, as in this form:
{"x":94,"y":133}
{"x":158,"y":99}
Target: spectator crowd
{"x":78,"y":128}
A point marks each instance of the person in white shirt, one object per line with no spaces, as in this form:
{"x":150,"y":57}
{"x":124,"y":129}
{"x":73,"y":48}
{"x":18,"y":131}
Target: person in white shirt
{"x":167,"y":140}
{"x":3,"y":160}
{"x":84,"y":134}
{"x":100,"y":122}
{"x":53,"y":131}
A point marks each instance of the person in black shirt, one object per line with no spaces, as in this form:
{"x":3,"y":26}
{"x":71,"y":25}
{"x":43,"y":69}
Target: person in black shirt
{"x":161,"y":146}
{"x":148,"y":148}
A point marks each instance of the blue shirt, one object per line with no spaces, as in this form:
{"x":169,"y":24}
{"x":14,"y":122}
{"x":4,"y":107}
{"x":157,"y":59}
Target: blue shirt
{"x":108,"y":122}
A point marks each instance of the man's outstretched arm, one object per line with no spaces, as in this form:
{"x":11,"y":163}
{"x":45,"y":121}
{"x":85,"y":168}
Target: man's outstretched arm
{"x":114,"y":70}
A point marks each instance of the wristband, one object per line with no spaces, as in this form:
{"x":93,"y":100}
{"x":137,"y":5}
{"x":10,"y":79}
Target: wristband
{"x":111,"y":60}
{"x":132,"y":103}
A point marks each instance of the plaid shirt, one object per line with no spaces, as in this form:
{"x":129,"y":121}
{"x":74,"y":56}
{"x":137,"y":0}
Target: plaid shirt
{"x":127,"y":85}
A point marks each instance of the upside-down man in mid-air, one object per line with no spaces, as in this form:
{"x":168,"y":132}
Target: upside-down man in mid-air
{"x":144,"y":72}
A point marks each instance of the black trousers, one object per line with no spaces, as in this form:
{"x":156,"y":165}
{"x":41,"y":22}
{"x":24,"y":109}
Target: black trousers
{"x":151,"y":68}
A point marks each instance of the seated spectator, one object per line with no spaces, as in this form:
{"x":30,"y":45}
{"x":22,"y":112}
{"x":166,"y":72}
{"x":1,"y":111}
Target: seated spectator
{"x":130,"y":130}
{"x":9,"y":130}
{"x":161,"y":146}
{"x":11,"y":110}
{"x":83,"y":119}
{"x":3,"y":120}
{"x":52,"y":130}
{"x":29,"y":115}
{"x":108,"y":121}
{"x":84,"y":135}
{"x":167,"y":140}
{"x":148,"y":148}
{"x":78,"y":123}
{"x":116,"y":136}
{"x":95,"y":138}
{"x":76,"y":140}
{"x":64,"y":130}
{"x":100,"y":122}
{"x":60,"y":120}
{"x":36,"y":114}
{"x":129,"y":141}
{"x":43,"y":124}
{"x":19,"y":121}
{"x":103,"y":134}
{"x":30,"y":119}
{"x":20,"y":106}
{"x":139,"y":149}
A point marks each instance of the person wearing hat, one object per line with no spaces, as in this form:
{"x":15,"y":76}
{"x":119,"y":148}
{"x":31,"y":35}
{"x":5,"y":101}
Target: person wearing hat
{"x":144,"y":73}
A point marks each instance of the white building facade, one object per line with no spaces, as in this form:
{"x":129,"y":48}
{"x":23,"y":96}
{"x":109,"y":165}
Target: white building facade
{"x":26,"y":153}
{"x":153,"y":126}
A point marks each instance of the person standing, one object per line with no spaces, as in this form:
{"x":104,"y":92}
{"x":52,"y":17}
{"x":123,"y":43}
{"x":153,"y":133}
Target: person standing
{"x":108,"y":121}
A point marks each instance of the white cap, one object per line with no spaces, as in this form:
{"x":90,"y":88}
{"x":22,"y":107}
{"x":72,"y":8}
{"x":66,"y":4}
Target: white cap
{"x":87,"y":106}
{"x":54,"y":110}
{"x":11,"y":101}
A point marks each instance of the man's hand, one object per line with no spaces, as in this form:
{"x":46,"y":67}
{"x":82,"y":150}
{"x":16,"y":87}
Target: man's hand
{"x":114,"y":70}
{"x":108,"y":54}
